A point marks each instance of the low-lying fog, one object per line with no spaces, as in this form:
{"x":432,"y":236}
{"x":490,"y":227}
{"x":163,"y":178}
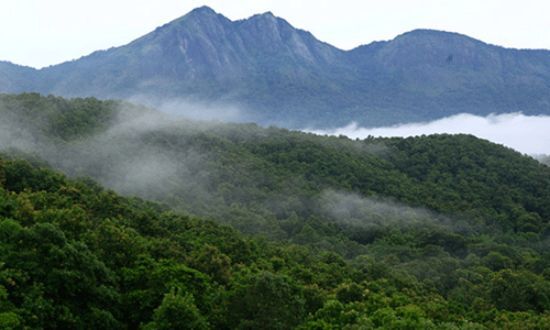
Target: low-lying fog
{"x":526,"y":134}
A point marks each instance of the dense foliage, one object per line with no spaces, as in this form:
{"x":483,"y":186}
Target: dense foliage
{"x":430,"y":232}
{"x":74,"y":255}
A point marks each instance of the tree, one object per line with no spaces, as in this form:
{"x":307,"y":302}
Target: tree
{"x":265,"y":301}
{"x":520,"y":291}
{"x":177,"y":311}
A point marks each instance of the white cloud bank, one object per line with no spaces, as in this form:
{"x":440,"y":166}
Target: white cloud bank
{"x":527,"y":134}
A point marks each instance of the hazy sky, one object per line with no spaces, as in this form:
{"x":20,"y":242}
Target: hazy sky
{"x":44,"y":32}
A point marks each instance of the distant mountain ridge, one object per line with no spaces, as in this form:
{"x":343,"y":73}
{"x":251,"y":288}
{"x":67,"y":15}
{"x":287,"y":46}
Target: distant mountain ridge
{"x":282,"y":75}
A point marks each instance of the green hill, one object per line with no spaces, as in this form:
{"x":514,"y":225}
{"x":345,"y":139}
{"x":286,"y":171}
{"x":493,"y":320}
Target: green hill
{"x":430,"y":232}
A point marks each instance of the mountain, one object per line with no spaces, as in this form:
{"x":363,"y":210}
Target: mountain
{"x":431,"y":69}
{"x":277,"y":74}
{"x":15,"y":78}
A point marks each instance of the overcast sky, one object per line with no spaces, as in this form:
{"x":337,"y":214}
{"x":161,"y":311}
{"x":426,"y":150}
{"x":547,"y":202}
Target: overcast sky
{"x":44,"y":32}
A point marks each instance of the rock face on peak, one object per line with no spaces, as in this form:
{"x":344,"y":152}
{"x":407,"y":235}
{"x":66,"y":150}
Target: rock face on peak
{"x":278,"y":74}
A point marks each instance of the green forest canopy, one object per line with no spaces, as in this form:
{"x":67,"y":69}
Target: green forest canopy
{"x":429,"y":232}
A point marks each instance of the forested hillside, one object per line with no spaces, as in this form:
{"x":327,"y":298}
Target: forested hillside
{"x":430,"y":232}
{"x":75,"y":255}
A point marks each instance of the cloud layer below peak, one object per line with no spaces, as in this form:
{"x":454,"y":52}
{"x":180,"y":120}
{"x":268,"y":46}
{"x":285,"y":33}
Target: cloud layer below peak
{"x":526,"y":134}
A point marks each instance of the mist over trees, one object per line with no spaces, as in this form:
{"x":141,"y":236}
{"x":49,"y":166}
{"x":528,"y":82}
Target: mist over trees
{"x":526,"y":134}
{"x":261,"y":227}
{"x":545,"y":159}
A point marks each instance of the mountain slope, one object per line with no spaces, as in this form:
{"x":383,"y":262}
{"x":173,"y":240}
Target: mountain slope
{"x":258,"y":180}
{"x":457,"y":74}
{"x":423,"y":233}
{"x":77,"y":256}
{"x":277,"y":74}
{"x":15,"y":78}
